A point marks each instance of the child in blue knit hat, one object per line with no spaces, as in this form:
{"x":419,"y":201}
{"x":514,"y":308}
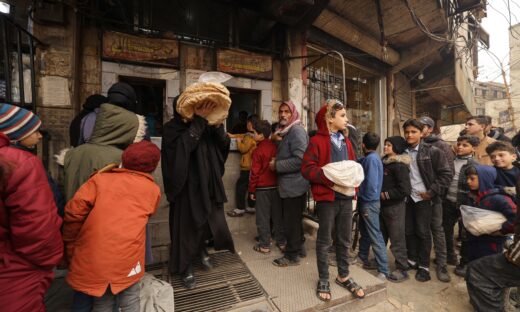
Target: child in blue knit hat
{"x":20,"y":125}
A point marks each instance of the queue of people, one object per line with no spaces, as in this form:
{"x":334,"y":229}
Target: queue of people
{"x":409,"y":198}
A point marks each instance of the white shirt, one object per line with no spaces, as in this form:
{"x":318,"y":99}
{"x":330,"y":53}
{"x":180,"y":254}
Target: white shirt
{"x":415,"y":175}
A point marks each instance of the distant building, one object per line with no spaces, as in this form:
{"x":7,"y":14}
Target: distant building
{"x":487,"y":91}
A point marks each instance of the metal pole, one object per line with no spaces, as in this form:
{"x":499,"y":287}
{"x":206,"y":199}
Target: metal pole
{"x":7,"y":67}
{"x":20,"y":67}
{"x":33,"y":75}
{"x":343,"y":71}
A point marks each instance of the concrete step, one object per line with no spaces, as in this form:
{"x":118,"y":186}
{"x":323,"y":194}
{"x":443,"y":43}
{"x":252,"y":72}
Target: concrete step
{"x":293,"y":288}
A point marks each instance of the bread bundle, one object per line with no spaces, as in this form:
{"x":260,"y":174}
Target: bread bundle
{"x":205,"y":92}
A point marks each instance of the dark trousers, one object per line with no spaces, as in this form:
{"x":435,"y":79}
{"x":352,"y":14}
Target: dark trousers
{"x":338,"y":215}
{"x":269,"y":207}
{"x":439,"y":239}
{"x":487,"y":278}
{"x":418,"y":232}
{"x":450,"y":216}
{"x":292,"y":216}
{"x":393,"y":227}
{"x":241,"y":189}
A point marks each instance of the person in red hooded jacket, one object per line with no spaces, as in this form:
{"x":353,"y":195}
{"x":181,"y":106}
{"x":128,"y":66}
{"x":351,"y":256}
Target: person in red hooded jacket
{"x":331,"y":144}
{"x":30,"y":240}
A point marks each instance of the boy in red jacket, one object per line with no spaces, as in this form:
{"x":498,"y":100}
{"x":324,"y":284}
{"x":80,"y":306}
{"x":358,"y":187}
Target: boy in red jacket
{"x":263,"y":188}
{"x":331,"y":144}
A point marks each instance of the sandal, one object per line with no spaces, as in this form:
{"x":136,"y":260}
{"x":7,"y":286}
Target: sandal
{"x":352,"y":287}
{"x":284,"y":262}
{"x":323,"y":288}
{"x":261,"y":249}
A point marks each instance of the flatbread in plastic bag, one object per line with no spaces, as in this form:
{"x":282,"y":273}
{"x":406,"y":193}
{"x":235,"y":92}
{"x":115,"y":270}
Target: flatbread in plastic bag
{"x":480,"y":221}
{"x":346,"y":175}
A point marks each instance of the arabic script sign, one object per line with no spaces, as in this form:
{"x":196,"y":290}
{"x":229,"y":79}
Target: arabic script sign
{"x":242,"y":63}
{"x":124,"y":47}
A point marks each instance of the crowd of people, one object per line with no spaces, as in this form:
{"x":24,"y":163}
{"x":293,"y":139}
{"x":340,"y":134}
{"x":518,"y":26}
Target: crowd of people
{"x":410,"y":199}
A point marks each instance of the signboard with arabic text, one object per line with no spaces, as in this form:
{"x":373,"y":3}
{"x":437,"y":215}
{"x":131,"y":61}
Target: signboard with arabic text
{"x":246,"y":64}
{"x":135,"y":49}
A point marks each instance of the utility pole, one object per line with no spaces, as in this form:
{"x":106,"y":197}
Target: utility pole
{"x":509,"y":100}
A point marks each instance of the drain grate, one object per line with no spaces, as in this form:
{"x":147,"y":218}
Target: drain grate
{"x":229,"y":283}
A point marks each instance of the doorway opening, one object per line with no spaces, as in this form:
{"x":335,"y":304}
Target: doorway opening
{"x":243,"y":101}
{"x":150,"y":101}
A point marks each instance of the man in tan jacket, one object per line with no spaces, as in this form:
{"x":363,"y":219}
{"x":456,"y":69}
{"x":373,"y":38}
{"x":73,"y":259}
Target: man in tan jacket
{"x":475,"y":126}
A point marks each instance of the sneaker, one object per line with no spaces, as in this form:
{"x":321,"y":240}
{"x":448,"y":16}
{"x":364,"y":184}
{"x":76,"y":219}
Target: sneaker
{"x":236,"y":213}
{"x":460,"y":270}
{"x":412,"y":266}
{"x":422,"y":275}
{"x":398,"y":276}
{"x":442,"y":274}
{"x":381,"y":276}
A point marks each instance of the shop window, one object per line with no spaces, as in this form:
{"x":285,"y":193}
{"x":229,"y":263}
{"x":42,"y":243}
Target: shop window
{"x":150,"y":101}
{"x":480,"y":111}
{"x":244,"y":103}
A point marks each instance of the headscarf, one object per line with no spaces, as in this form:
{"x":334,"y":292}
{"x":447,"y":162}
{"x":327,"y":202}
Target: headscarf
{"x":295,"y":119}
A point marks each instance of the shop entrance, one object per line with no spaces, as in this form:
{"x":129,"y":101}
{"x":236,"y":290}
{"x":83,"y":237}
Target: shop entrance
{"x":242,"y":101}
{"x":150,"y":101}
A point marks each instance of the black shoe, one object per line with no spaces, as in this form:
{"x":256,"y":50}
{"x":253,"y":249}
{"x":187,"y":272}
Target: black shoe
{"x":443,"y":275}
{"x":413,"y":266}
{"x":460,"y":270}
{"x":188,"y":279}
{"x":206,"y":260}
{"x":422,"y":275}
{"x":370,"y":265}
{"x":302,"y":253}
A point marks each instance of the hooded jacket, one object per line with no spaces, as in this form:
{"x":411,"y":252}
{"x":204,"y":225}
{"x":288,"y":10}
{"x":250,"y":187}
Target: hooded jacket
{"x":493,"y":199}
{"x":30,"y":239}
{"x":105,"y":234}
{"x":396,"y":179}
{"x":115,"y":129}
{"x":317,"y":155}
{"x":446,"y":148}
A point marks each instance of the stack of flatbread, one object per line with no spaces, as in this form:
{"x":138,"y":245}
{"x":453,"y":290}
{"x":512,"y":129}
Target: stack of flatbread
{"x":205,"y":92}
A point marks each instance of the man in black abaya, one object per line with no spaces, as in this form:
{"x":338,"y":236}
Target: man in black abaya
{"x":193,"y":157}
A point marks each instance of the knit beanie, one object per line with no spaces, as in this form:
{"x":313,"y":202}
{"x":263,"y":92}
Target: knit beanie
{"x":143,"y":156}
{"x":17,"y":123}
{"x":398,"y":144}
{"x":122,"y":94}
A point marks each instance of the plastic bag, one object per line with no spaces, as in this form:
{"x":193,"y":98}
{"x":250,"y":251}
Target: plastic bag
{"x":481,"y":221}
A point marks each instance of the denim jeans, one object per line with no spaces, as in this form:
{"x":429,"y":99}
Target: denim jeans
{"x":486,"y":279}
{"x":336,"y":214}
{"x":128,"y":299}
{"x":371,"y":235}
{"x":269,"y":207}
{"x":418,"y":232}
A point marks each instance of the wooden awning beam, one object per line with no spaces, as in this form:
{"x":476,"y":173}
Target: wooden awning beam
{"x":344,"y":30}
{"x":417,"y":53}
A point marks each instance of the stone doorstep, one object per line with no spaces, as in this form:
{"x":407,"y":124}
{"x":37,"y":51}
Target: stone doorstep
{"x":301,"y":298}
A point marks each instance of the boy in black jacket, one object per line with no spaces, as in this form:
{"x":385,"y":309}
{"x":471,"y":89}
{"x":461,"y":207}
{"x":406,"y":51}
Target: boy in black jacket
{"x":396,"y":187}
{"x":430,"y":175}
